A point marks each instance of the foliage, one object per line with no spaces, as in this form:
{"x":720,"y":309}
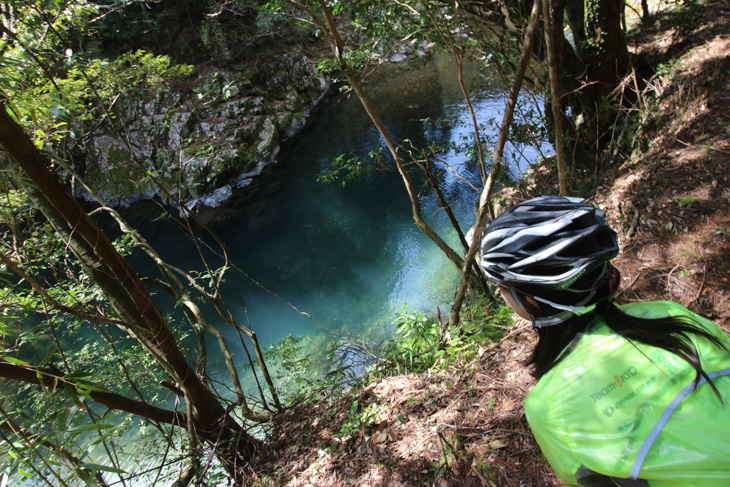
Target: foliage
{"x":528,"y":134}
{"x":301,"y":375}
{"x":374,"y":29}
{"x":291,"y":368}
{"x":356,"y":422}
{"x":88,"y":90}
{"x":59,"y":325}
{"x":53,"y":88}
{"x":50,"y":422}
{"x":423,"y":342}
{"x":484,"y":319}
{"x":231,"y":30}
{"x":43,"y":437}
{"x":349,"y":168}
{"x":215,"y":39}
{"x":380,"y":27}
{"x":419,"y":341}
{"x":71,"y":333}
{"x":356,"y":59}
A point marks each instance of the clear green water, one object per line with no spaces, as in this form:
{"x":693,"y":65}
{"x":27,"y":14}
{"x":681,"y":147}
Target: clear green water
{"x":352,"y":257}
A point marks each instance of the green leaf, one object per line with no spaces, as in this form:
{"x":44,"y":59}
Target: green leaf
{"x":86,"y":389}
{"x":48,"y":357}
{"x":90,"y":427}
{"x":103,"y":468}
{"x":101,"y":439}
{"x":88,"y":479}
{"x":78,"y":375}
{"x":15,"y":361}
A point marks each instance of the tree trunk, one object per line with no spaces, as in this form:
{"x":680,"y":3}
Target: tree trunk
{"x":606,"y":52}
{"x":599,"y":40}
{"x":552,"y":16}
{"x":645,"y":12}
{"x":575,"y":14}
{"x":603,"y":58}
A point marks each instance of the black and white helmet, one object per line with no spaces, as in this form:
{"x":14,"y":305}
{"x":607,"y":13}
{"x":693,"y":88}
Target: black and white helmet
{"x":549,"y":241}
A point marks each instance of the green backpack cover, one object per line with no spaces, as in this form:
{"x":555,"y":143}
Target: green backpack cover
{"x":635,"y":413}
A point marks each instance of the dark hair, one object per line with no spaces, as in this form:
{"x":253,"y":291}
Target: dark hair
{"x":670,"y":333}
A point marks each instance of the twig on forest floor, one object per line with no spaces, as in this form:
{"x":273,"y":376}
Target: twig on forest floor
{"x":493,"y":346}
{"x":516,"y":331}
{"x":669,"y":276}
{"x":634,"y":221}
{"x":722,"y":301}
{"x":702,"y":285}
{"x":481,"y":478}
{"x":631,"y":285}
{"x":484,"y":431}
{"x":709,"y":147}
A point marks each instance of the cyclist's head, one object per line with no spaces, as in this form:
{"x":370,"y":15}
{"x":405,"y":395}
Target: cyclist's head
{"x":550,"y":256}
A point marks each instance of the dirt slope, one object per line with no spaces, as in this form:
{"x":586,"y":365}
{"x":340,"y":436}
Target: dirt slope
{"x":670,"y":203}
{"x":671,"y":200}
{"x":462,"y":426}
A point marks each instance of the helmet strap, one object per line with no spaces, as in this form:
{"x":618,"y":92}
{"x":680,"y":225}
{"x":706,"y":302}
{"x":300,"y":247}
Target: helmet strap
{"x":609,"y":273}
{"x":520,"y":299}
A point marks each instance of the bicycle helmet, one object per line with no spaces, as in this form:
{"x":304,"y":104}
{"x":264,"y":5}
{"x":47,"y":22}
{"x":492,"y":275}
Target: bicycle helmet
{"x":547,"y":244}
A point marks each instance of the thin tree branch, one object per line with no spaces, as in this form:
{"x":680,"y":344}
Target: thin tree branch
{"x":53,"y":380}
{"x":485,"y":205}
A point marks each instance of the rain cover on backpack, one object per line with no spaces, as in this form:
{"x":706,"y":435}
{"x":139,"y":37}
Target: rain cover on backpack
{"x":630,"y":411}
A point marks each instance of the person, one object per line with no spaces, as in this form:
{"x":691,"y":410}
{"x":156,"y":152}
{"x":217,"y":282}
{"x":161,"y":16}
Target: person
{"x":631,"y":395}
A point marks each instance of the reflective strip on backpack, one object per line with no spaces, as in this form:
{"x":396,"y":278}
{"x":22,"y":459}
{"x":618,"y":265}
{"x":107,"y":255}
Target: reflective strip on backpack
{"x":664,"y":418}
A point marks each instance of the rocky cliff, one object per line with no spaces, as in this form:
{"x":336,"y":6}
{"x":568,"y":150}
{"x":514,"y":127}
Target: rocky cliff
{"x":197,"y":146}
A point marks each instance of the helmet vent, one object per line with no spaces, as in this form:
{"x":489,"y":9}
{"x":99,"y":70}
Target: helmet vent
{"x":550,"y":241}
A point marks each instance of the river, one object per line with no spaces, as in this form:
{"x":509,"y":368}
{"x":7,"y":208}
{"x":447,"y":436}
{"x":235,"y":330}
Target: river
{"x":351,"y":257}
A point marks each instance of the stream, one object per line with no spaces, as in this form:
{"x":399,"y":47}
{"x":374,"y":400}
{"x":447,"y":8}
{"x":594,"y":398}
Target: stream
{"x":313,"y":259}
{"x":351,"y":256}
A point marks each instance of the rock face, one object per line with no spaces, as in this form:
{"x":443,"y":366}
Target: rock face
{"x":201,"y":146}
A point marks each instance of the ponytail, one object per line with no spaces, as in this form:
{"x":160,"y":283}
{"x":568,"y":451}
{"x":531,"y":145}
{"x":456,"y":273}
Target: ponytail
{"x":669,"y":333}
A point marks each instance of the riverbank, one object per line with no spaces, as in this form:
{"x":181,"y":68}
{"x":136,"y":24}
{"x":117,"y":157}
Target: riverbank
{"x":669,"y":199}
